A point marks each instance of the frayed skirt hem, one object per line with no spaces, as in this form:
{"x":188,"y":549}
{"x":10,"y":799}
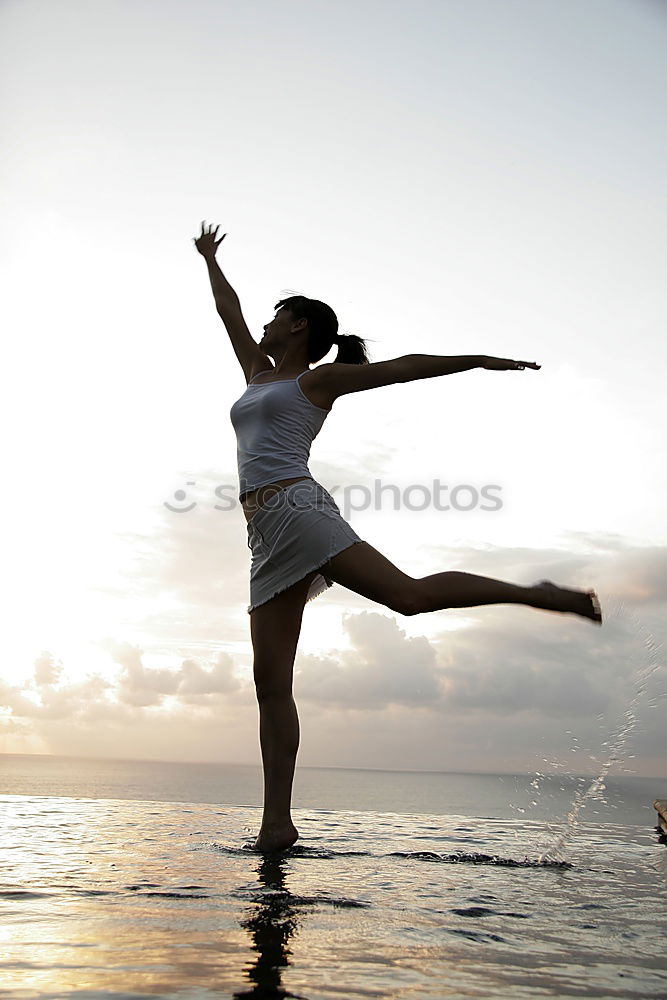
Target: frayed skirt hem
{"x":318,"y":585}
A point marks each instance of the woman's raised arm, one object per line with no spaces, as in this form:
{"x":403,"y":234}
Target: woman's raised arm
{"x":227,"y":303}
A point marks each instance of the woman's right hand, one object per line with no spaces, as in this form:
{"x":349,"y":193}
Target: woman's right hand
{"x":507,"y":364}
{"x":206,"y":243}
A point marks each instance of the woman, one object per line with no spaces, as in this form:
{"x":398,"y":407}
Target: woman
{"x":300,"y":542}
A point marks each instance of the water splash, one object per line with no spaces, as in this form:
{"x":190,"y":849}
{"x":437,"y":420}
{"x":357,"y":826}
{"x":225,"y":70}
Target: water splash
{"x":615,"y":748}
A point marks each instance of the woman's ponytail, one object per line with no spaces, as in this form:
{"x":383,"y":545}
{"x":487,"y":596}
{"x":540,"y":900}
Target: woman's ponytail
{"x":351,"y":349}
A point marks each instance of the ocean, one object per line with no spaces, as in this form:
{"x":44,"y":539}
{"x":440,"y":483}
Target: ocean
{"x":127,"y":879}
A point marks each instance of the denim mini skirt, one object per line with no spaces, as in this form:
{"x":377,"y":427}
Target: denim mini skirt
{"x":297,"y":530}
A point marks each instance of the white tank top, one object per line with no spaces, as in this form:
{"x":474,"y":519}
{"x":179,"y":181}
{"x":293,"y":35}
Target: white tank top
{"x":275,"y":426}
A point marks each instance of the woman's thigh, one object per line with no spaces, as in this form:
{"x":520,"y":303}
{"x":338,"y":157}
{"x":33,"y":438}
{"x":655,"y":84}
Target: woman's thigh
{"x":363,"y":569}
{"x":275,"y":627}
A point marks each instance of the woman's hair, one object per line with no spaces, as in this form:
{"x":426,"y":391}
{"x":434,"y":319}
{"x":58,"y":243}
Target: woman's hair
{"x":322,"y":330}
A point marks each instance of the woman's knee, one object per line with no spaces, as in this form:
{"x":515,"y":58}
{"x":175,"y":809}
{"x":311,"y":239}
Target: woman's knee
{"x":273,"y":670}
{"x":272,"y":686}
{"x":411,"y":600}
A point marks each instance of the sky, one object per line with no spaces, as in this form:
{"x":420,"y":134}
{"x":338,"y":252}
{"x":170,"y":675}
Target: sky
{"x":452,"y":177}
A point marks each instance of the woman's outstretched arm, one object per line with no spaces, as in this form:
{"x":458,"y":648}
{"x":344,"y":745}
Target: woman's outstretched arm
{"x":430,"y":365}
{"x":337,"y":379}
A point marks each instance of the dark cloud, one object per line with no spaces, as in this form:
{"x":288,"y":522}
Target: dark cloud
{"x":490,"y":670}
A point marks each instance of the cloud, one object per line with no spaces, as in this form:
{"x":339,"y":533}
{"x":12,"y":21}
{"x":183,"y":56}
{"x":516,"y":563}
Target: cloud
{"x":501,"y":671}
{"x":47,"y":671}
{"x":136,"y":686}
{"x":562,"y":668}
{"x":385,"y":667}
{"x":220,"y":679}
{"x":639,"y":575}
{"x":139,"y":685}
{"x":42,"y":700}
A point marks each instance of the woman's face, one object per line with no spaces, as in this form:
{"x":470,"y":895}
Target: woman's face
{"x":277,"y":331}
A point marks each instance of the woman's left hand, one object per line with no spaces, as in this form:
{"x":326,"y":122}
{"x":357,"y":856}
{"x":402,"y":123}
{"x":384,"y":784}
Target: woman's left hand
{"x":506,"y":364}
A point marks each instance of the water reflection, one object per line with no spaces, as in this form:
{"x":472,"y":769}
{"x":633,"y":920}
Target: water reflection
{"x":271,"y":926}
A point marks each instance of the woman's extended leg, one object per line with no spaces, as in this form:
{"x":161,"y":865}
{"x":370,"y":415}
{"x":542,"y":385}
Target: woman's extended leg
{"x":275,"y":627}
{"x":366,"y":571}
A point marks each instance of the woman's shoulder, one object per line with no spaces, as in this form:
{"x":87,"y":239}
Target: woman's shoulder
{"x":313,"y":386}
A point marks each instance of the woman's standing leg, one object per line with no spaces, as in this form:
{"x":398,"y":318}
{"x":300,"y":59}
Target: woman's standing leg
{"x":275,"y":627}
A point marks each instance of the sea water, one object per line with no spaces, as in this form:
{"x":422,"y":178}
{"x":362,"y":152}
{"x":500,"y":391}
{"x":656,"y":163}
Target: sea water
{"x":114,"y":883}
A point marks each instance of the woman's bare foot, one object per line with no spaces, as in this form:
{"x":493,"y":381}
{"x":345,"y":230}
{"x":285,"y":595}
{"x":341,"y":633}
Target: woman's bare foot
{"x":578,"y":602}
{"x":276,"y":837}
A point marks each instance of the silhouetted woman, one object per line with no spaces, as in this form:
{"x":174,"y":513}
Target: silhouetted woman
{"x":300,"y":543}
